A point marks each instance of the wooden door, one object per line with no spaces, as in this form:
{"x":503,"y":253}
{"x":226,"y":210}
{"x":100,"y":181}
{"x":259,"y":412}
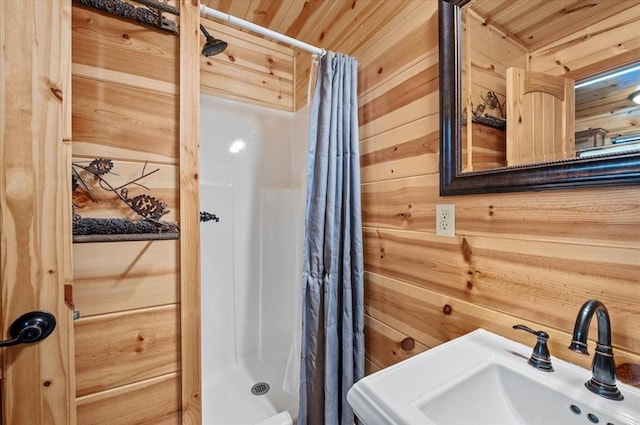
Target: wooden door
{"x":35,"y":216}
{"x":540,"y":117}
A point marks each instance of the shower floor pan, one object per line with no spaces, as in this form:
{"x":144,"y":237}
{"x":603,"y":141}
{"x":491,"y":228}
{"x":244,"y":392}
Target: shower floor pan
{"x":228,"y":398}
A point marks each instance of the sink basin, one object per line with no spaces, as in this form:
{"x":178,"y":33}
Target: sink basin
{"x":483,"y":378}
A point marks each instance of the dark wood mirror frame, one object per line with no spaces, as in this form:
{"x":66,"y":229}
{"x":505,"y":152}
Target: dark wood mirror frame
{"x":609,"y":170}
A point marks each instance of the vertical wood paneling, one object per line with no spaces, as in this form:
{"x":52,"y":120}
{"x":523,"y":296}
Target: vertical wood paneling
{"x":190,"y":379}
{"x":67,"y":324}
{"x":64,"y":55}
{"x":35,"y":208}
{"x":544,"y":105}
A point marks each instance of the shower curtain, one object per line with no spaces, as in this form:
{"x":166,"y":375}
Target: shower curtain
{"x":332,"y":295}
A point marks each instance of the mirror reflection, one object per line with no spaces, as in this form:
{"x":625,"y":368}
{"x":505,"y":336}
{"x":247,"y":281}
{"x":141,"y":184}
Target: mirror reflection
{"x":607,"y":111}
{"x":536,"y":88}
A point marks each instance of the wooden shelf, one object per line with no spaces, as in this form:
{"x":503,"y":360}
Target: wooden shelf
{"x":122,"y":229}
{"x":126,"y":237}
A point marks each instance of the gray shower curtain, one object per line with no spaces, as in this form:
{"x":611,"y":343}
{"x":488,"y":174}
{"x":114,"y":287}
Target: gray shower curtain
{"x":332,"y":296}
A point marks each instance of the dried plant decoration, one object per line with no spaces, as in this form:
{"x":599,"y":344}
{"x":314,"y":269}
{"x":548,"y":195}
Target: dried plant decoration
{"x":147,"y":206}
{"x":490,"y":111}
{"x":147,"y":210}
{"x":100,"y":166}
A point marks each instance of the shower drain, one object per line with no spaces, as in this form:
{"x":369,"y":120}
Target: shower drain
{"x":260,"y":388}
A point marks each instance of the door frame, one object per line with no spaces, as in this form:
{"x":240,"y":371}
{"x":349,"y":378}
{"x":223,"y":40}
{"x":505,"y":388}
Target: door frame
{"x":191,"y":358}
{"x":38,"y":380}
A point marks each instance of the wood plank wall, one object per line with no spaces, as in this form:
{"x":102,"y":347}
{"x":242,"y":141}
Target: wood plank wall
{"x":37,"y":380}
{"x":126,"y":107}
{"x":251,"y":70}
{"x":605,"y":45}
{"x":190,"y":298}
{"x":609,"y":44}
{"x":486,"y":55}
{"x":530,"y":258}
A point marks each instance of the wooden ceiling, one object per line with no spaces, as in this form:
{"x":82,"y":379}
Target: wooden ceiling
{"x":308,"y":21}
{"x":537,"y":23}
{"x":534,"y":23}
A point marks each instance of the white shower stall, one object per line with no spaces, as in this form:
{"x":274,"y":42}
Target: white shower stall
{"x":252,"y":167}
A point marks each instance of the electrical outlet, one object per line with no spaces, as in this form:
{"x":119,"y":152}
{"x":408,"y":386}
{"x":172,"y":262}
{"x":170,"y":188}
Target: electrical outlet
{"x":446,"y":219}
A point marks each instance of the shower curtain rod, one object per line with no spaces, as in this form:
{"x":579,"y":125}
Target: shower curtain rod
{"x":260,"y":30}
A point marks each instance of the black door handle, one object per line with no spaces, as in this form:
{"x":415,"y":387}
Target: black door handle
{"x":31,"y":327}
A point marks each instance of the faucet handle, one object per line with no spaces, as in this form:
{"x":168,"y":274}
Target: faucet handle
{"x":540,"y":358}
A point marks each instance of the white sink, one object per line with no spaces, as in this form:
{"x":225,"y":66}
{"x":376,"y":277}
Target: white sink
{"x":483,"y":378}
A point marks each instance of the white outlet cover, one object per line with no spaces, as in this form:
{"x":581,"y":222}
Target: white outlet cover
{"x":446,"y":220}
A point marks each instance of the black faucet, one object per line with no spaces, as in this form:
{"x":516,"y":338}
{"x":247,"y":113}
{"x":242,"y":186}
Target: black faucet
{"x":603,"y":380}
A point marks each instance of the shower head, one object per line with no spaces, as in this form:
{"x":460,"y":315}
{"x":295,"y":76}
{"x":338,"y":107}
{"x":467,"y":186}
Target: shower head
{"x":212,"y":46}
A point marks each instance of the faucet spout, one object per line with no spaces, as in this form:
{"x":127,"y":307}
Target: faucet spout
{"x":603,"y":381}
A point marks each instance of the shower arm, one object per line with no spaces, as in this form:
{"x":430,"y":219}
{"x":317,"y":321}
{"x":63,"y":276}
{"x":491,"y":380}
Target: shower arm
{"x":274,"y":35}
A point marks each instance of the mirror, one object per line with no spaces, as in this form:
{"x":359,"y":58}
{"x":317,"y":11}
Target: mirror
{"x":579,"y":163}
